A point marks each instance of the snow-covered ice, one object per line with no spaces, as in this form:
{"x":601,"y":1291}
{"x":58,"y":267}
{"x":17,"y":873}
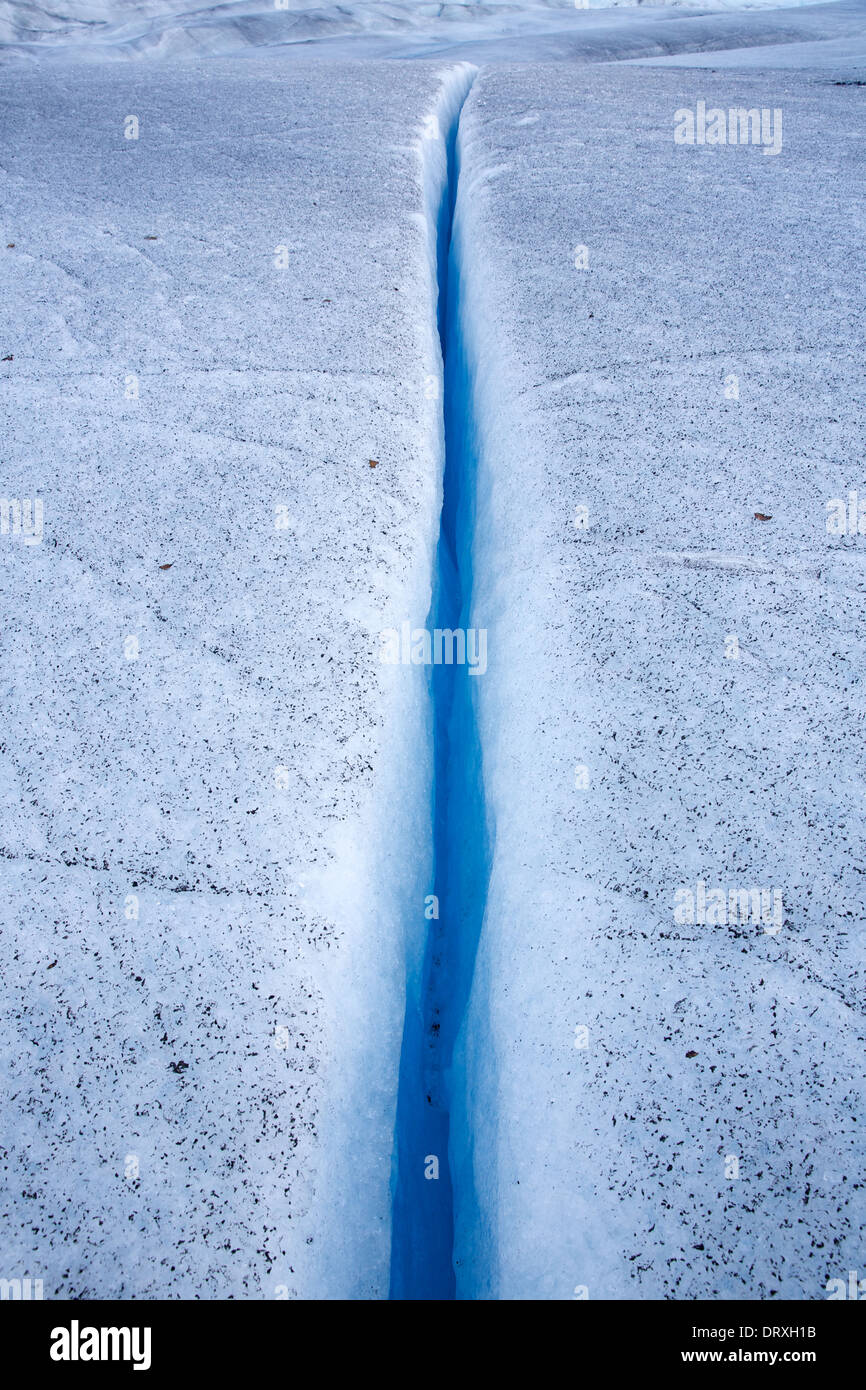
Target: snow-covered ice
{"x":214,"y":802}
{"x":659,"y":356}
{"x":477,"y":32}
{"x":222,"y":818}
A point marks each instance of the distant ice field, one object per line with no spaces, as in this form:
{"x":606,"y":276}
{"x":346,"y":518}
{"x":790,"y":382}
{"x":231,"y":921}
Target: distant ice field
{"x":539,"y":32}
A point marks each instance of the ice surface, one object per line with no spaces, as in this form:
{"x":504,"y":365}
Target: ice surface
{"x":244,"y":767}
{"x":215,"y":807}
{"x":607,"y":1166}
{"x":557,"y":29}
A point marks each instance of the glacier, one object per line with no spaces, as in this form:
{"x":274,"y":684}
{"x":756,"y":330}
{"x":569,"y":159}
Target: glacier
{"x":327,"y":976}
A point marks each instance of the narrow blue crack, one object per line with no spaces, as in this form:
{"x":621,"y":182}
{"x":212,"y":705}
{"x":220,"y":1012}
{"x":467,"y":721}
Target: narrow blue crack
{"x":422,"y":1263}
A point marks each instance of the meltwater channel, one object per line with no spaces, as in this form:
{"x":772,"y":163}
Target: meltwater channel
{"x":422,"y":1264}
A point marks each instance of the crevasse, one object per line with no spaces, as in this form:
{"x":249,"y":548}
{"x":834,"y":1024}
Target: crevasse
{"x":422,"y":1264}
